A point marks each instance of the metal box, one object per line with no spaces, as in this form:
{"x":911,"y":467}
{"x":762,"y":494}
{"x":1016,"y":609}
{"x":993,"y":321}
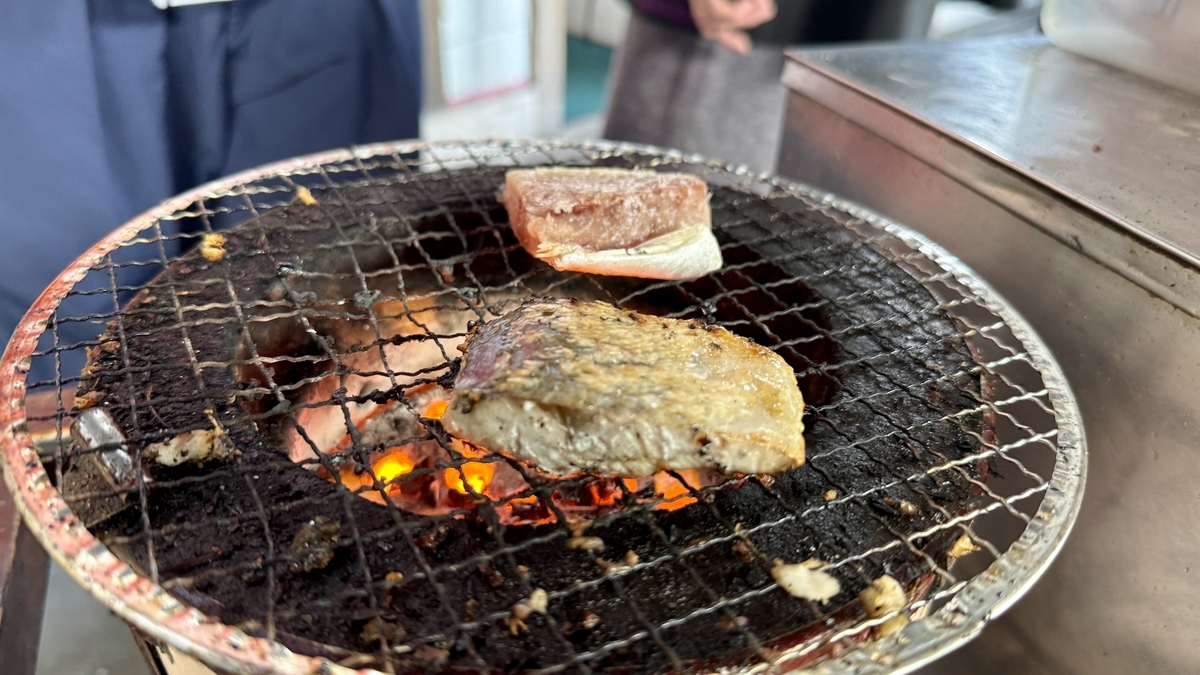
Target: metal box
{"x":1072,"y":188}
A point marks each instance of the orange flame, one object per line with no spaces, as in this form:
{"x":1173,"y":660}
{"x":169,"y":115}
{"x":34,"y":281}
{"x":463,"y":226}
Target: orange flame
{"x":675,"y":494}
{"x":391,"y":466}
{"x":479,"y":475}
{"x":411,"y":481}
{"x":394,"y":465}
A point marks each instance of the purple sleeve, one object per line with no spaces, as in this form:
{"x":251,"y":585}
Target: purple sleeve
{"x":674,"y":12}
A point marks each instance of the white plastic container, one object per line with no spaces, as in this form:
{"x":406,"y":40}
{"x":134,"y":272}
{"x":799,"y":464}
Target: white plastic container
{"x":1156,"y":38}
{"x":485,"y":48}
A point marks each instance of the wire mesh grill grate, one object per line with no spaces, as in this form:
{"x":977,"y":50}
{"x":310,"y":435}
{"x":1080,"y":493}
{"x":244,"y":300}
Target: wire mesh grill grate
{"x":334,"y":304}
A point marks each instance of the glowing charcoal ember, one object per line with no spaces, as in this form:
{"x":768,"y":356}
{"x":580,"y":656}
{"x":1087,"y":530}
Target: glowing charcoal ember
{"x":436,"y":410}
{"x":411,"y":476}
{"x":675,"y":494}
{"x":478,"y":477}
{"x":392,"y":466}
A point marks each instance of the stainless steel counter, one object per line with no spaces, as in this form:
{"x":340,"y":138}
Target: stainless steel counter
{"x":1118,"y":148}
{"x":1071,"y":187}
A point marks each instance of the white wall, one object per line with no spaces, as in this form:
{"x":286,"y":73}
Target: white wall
{"x":484,"y":47}
{"x":601,"y":21}
{"x":470,"y":93}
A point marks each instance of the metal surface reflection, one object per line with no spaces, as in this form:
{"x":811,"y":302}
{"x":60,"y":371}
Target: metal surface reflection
{"x":1066,"y":185}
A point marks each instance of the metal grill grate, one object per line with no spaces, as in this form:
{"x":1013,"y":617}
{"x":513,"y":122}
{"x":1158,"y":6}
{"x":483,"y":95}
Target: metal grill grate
{"x":935,"y":415}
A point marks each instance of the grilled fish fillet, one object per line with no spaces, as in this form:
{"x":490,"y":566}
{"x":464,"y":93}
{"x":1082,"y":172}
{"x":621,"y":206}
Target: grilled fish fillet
{"x":583,"y":386}
{"x":614,"y":221}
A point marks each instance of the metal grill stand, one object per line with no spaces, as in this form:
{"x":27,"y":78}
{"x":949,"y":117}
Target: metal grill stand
{"x":334,"y":238}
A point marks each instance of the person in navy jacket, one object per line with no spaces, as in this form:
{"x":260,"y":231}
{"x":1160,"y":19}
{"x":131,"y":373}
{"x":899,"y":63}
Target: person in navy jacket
{"x":109,"y":106}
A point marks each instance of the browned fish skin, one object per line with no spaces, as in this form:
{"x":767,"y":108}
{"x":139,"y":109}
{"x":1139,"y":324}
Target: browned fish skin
{"x":571,"y":386}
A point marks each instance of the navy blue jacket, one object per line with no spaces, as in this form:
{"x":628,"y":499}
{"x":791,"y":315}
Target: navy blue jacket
{"x":109,"y":106}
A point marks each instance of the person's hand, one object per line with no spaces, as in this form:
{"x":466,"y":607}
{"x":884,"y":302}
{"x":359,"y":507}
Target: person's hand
{"x":726,"y":21}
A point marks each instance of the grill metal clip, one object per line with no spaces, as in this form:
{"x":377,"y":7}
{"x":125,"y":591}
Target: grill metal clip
{"x":98,"y":479}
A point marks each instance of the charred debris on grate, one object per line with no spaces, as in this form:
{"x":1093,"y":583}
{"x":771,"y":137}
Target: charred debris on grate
{"x":439,"y":588}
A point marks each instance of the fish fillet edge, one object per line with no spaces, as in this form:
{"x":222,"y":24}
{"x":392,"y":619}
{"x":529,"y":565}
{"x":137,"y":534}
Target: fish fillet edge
{"x":686,"y":253}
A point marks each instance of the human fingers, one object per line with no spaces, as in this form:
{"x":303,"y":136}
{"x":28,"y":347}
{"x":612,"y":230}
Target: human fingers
{"x":706,"y":15}
{"x":740,"y":13}
{"x":758,"y":12}
{"x":710,"y":17}
{"x":734,"y":40}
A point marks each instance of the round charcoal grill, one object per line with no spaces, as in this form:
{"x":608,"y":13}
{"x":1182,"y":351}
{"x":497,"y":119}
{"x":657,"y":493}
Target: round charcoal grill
{"x":241,"y":455}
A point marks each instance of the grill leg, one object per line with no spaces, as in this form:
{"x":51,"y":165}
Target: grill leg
{"x":24,"y":568}
{"x":149,"y":652}
{"x":163,"y":660}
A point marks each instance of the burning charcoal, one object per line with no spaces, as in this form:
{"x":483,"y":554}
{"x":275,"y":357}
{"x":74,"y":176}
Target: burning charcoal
{"x":312,"y":547}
